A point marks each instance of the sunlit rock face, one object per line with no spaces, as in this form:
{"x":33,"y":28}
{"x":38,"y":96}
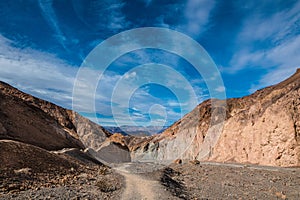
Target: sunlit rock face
{"x":263,"y":128}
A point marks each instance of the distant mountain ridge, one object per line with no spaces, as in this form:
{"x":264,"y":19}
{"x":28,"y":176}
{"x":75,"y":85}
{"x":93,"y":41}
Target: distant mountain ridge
{"x":136,"y":130}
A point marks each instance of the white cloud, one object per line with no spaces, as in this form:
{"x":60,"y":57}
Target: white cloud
{"x":50,"y":16}
{"x":38,"y":73}
{"x":197,"y":14}
{"x":194,"y":16}
{"x":130,"y":75}
{"x":280,"y":57}
{"x":279,"y":29}
{"x":273,"y":77}
{"x":280,"y":62}
{"x":220,"y":89}
{"x":109,"y":14}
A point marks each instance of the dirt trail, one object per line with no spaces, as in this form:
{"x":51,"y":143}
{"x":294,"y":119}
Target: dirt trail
{"x":138,"y":185}
{"x":138,"y":188}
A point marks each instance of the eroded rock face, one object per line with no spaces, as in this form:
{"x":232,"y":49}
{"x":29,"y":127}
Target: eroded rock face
{"x":40,"y":123}
{"x":111,"y":152}
{"x":90,"y":134}
{"x":263,"y":128}
{"x":267,"y":132}
{"x":30,"y":120}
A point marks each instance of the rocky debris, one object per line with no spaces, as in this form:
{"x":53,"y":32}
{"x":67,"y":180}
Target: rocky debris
{"x":87,"y":182}
{"x":42,"y":152}
{"x":194,"y":162}
{"x":178,"y":161}
{"x":3,"y":131}
{"x":28,"y":171}
{"x":177,"y":188}
{"x":223,"y":181}
{"x":23,"y":171}
{"x":262,"y":128}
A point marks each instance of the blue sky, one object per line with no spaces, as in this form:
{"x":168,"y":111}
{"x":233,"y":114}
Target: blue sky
{"x":254,"y":44}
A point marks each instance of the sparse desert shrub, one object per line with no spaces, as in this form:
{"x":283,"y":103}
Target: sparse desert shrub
{"x":105,"y":186}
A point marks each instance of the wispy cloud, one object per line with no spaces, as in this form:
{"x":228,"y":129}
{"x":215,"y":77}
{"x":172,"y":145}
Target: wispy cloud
{"x":197,"y":13}
{"x":102,"y":15}
{"x":38,"y":73}
{"x":45,"y":76}
{"x":278,"y":30}
{"x":286,"y":59}
{"x":50,"y":16}
{"x":270,"y":42}
{"x":193,"y":16}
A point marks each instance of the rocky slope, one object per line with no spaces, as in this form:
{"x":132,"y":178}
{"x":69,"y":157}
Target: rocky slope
{"x":262,"y":128}
{"x":43,"y":148}
{"x":33,"y":121}
{"x":37,"y":122}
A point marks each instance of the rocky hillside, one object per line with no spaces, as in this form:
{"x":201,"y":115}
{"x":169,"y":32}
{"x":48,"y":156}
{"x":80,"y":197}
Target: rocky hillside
{"x":45,"y":152}
{"x":33,"y":121}
{"x":262,"y":128}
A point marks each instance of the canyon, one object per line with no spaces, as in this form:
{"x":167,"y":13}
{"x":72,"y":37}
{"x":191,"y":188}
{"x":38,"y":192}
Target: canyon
{"x":47,"y":149}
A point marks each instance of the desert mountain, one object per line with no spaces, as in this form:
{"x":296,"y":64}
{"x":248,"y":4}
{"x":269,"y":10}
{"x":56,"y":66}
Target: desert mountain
{"x":32,"y":121}
{"x":262,"y":128}
{"x":45,"y":147}
{"x":136,"y":130}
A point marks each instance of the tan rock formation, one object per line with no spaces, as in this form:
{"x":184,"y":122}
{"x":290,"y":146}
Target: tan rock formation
{"x":263,"y":128}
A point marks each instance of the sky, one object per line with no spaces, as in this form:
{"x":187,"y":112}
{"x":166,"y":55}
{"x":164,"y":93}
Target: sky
{"x":43,"y":44}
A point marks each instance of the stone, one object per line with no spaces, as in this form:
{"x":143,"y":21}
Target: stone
{"x":178,"y":161}
{"x":194,"y":162}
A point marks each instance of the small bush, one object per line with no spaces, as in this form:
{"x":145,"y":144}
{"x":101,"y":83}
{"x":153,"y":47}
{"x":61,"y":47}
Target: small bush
{"x":105,"y":186}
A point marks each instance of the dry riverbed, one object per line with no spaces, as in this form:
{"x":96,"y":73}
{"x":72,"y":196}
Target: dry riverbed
{"x":151,"y":181}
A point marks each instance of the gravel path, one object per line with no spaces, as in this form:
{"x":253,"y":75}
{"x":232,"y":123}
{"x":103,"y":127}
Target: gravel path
{"x":140,"y":184}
